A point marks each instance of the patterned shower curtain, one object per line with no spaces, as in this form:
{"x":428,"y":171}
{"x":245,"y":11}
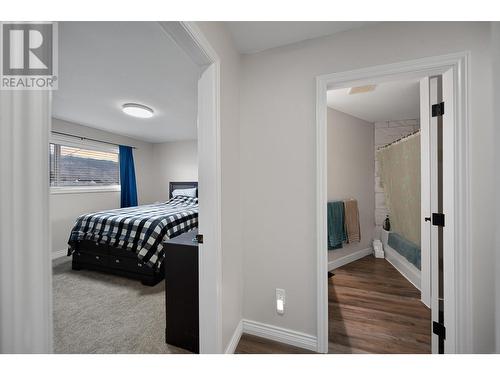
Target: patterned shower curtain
{"x":400,"y":176}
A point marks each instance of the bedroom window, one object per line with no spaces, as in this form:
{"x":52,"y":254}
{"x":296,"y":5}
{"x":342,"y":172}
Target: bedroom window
{"x":77,"y":166}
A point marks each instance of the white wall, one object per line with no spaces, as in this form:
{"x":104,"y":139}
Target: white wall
{"x":277,"y":145}
{"x":232,"y":282}
{"x":351,"y":172}
{"x":385,"y":133}
{"x":173,"y":161}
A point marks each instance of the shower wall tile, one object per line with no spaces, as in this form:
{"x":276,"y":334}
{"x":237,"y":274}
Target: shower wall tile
{"x":378,"y":185}
{"x":380,"y":215}
{"x":380,"y":200}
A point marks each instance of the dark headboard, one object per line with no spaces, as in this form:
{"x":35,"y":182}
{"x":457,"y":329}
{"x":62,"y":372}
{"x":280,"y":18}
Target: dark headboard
{"x":182,"y":185}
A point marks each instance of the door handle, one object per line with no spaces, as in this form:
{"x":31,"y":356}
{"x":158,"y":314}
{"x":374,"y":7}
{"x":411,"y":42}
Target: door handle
{"x":427,"y":219}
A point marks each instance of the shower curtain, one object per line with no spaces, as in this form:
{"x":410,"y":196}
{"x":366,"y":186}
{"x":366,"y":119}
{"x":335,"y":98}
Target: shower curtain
{"x":400,"y":176}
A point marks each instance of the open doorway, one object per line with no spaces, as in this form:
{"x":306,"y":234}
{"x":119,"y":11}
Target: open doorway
{"x":374,"y":227}
{"x":111,"y":296}
{"x":447,"y":335}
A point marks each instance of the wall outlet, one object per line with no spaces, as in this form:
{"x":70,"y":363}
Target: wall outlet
{"x":280,"y":301}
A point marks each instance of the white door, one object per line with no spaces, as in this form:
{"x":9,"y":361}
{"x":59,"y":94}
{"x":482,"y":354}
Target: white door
{"x":437,"y":158}
{"x":430,"y":93}
{"x":425,"y":191}
{"x":209,"y":225}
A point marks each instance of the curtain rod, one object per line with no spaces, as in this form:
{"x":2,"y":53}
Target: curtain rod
{"x":90,"y":139}
{"x":399,"y":139}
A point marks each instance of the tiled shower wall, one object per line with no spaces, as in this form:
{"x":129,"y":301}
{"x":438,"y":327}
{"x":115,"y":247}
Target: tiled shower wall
{"x":387,"y":132}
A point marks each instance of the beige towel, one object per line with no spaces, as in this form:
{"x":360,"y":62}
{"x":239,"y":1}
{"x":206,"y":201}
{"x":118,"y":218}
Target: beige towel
{"x":352,"y":220}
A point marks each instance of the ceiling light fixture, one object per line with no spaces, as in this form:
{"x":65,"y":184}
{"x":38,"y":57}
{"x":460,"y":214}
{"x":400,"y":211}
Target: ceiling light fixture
{"x":137,"y":110}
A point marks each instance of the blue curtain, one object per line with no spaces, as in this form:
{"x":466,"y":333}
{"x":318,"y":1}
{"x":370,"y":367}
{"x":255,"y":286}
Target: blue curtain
{"x":127,"y":177}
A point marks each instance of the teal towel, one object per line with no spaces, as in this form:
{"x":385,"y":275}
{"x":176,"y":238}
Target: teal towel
{"x":336,"y":228}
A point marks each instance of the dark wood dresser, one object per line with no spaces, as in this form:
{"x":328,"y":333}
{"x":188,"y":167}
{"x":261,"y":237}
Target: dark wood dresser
{"x":181,"y":291}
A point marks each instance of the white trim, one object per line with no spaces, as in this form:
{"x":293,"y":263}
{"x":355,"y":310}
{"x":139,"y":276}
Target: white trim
{"x":460,"y":328}
{"x":235,"y":339}
{"x":349,"y":258}
{"x":283,"y":335}
{"x":84,"y":189}
{"x":321,"y":217}
{"x":210,"y":259}
{"x":405,"y":268}
{"x":59,"y":253}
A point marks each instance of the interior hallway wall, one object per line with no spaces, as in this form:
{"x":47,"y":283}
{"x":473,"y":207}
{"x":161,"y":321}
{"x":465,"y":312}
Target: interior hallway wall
{"x":278,"y":167}
{"x":495,"y":43}
{"x":232,"y":281}
{"x":351,"y":172}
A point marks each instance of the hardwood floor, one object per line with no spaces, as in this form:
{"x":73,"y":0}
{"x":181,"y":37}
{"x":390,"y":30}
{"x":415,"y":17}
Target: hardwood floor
{"x":250,"y":344}
{"x":372,"y":308}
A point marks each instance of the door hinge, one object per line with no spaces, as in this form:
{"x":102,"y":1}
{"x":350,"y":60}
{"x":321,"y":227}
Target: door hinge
{"x":438,"y":219}
{"x":439,"y":329}
{"x":199,"y":238}
{"x":438,"y":109}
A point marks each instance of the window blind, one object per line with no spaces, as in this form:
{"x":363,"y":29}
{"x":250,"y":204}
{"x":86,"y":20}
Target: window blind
{"x":77,"y":166}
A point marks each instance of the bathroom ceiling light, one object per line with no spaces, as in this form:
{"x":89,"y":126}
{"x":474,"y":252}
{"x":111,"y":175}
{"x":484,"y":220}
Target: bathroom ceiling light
{"x":137,"y":110}
{"x":361,"y":89}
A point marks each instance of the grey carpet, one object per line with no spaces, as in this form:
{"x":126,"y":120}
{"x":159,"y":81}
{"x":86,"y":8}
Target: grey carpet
{"x":100,"y":313}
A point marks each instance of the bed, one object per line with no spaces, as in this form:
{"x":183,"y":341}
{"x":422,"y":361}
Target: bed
{"x":129,"y":241}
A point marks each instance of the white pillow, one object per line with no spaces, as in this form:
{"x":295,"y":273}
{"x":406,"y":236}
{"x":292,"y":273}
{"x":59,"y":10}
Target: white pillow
{"x":184,"y":192}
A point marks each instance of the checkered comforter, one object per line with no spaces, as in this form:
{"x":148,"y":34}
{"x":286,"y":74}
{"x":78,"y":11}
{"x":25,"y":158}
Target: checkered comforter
{"x":140,"y":229}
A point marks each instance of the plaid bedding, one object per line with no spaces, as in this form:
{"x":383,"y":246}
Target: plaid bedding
{"x":140,"y":229}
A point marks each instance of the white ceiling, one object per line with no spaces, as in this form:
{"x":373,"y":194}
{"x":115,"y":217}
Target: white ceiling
{"x":251,"y":37}
{"x":105,"y":64}
{"x":398,"y":100}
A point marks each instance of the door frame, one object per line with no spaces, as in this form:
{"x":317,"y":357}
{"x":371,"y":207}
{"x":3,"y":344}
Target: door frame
{"x":191,"y":39}
{"x":458,"y":274}
{"x":30,"y":264}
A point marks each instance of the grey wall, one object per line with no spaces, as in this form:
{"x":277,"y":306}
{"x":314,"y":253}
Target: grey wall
{"x":351,"y":172}
{"x":277,"y":145}
{"x":173,"y":161}
{"x":495,"y":42}
{"x":232,"y":282}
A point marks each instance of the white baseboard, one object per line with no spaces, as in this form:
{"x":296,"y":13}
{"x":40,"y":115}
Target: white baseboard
{"x":349,"y":258}
{"x":283,"y":335}
{"x":59,"y":253}
{"x":405,"y":268}
{"x":235,"y":339}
